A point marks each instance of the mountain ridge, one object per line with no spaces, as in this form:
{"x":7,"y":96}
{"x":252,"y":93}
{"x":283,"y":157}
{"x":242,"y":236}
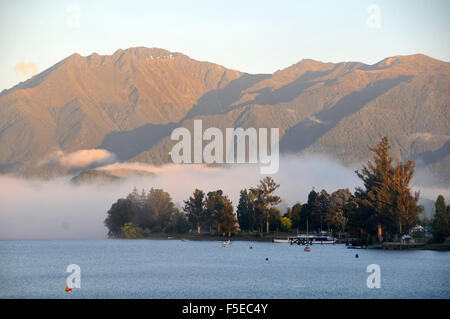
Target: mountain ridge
{"x":128,"y":103}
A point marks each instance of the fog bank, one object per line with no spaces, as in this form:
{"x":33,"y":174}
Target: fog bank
{"x":32,"y":209}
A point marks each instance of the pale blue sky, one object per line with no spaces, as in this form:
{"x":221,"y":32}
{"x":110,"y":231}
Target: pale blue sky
{"x":251,"y":36}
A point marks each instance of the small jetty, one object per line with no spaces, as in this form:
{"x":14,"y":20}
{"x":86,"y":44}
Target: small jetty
{"x":311,"y":239}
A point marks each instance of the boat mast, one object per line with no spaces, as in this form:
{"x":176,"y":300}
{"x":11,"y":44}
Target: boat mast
{"x":306,"y":226}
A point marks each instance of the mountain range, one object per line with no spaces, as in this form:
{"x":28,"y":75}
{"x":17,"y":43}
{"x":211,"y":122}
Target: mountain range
{"x":129,"y":102}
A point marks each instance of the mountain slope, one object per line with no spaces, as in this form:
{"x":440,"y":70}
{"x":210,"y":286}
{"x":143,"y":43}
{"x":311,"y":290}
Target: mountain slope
{"x":340,"y":109}
{"x":129,"y":102}
{"x":74,"y":104}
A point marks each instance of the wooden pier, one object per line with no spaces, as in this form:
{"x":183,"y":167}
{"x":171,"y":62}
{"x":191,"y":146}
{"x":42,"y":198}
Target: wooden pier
{"x":300,"y":241}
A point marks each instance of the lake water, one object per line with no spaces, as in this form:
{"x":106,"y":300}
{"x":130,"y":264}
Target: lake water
{"x":205,"y":269}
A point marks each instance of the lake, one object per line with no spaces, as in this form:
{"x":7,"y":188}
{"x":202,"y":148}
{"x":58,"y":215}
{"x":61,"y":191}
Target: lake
{"x":205,"y":269}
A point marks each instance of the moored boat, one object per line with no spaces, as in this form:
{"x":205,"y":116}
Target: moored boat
{"x":281,"y":241}
{"x":226,"y":243}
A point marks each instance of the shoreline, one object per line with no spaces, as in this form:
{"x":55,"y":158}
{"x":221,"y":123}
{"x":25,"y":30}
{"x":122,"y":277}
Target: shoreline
{"x":271,"y":237}
{"x":209,"y":237}
{"x":255,"y":238}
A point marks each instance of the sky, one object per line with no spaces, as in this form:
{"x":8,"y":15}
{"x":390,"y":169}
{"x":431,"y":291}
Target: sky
{"x":250,"y":36}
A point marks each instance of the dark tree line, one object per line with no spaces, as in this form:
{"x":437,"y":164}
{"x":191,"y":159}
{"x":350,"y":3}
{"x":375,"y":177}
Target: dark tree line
{"x":441,"y":221}
{"x":321,"y":212}
{"x":382,"y":208}
{"x":139,"y":215}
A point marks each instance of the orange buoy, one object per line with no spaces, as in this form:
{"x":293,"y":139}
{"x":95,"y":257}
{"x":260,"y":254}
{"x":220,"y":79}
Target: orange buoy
{"x":68,"y":288}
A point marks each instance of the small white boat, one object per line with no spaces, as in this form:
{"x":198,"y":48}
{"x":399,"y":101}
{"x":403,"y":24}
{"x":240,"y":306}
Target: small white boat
{"x":355,"y":247}
{"x":226,"y":243}
{"x":281,"y":241}
{"x":321,"y":239}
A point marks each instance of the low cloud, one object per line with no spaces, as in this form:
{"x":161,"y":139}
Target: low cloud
{"x":60,"y":209}
{"x":81,"y":158}
{"x":315,"y":119}
{"x":26,"y":68}
{"x":157,"y":169}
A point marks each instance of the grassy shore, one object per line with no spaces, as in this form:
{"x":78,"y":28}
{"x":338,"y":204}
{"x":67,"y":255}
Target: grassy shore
{"x":440,"y":247}
{"x":430,"y":246}
{"x":264,"y":237}
{"x":205,"y":236}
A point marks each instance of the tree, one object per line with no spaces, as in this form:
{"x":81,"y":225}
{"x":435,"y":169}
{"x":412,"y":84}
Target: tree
{"x":179,"y":223}
{"x":335,"y":216}
{"x":213,"y":206}
{"x":157,"y":210}
{"x":386,"y":201}
{"x":194,"y":208}
{"x":120,"y":213}
{"x":353,"y":216}
{"x":405,"y":210}
{"x":134,"y":195}
{"x":286,"y":223}
{"x":440,"y":226}
{"x":274,"y":219}
{"x":294,"y":215}
{"x":245,"y":213}
{"x":132,"y":231}
{"x":323,"y":208}
{"x":228,"y":218}
{"x":372,"y":207}
{"x":310,"y":212}
{"x":265,"y":198}
{"x":219,"y":211}
{"x":138,"y":199}
{"x":448,"y":214}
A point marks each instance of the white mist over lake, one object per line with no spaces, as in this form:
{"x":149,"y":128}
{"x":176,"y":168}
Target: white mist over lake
{"x":38,"y":209}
